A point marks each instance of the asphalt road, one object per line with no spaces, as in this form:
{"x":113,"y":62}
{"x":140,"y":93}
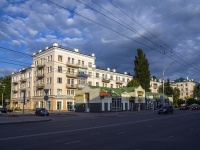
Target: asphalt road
{"x":132,"y":131}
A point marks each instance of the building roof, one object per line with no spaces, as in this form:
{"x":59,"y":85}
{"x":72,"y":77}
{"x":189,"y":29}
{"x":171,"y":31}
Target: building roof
{"x":115,"y":91}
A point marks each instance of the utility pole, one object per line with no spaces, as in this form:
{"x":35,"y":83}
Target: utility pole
{"x":163,"y":98}
{"x":2,"y":100}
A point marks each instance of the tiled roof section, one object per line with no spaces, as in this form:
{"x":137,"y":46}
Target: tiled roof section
{"x":115,"y":91}
{"x":180,"y":80}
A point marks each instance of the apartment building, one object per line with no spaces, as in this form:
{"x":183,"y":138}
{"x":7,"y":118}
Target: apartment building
{"x":155,"y":84}
{"x":185,"y":85}
{"x":61,"y":71}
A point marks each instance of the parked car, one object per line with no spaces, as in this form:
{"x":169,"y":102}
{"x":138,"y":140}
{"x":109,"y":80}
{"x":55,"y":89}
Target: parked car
{"x":195,"y":107}
{"x":166,"y":109}
{"x":184,"y":108}
{"x":41,"y":112}
{"x":5,"y":110}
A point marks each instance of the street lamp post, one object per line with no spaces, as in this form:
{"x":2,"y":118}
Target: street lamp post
{"x":2,"y":99}
{"x":163,"y":98}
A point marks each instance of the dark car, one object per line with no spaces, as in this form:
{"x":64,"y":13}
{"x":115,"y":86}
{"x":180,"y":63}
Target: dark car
{"x":184,"y":108}
{"x":166,"y":110}
{"x":195,"y":107}
{"x":41,"y":112}
{"x":5,"y":110}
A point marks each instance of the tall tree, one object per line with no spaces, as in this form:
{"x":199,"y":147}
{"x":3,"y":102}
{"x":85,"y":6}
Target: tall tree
{"x":132,"y":83}
{"x":168,"y":88}
{"x":5,"y":87}
{"x":196,"y":92}
{"x":142,"y":72}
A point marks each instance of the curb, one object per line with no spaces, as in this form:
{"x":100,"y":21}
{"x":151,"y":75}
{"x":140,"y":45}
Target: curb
{"x":32,"y":121}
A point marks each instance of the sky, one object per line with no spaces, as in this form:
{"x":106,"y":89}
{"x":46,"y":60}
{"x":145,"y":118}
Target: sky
{"x":167,"y":31}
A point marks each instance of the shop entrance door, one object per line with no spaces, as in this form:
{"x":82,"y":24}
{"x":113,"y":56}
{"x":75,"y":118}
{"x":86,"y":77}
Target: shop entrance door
{"x":59,"y":105}
{"x":116,"y":104}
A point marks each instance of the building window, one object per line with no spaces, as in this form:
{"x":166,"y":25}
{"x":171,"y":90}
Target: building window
{"x":69,"y":59}
{"x":72,"y":60}
{"x":90,"y":74}
{"x":90,"y":83}
{"x":90,"y":65}
{"x":59,"y":80}
{"x":68,"y":81}
{"x":68,"y":92}
{"x":123,"y":79}
{"x":97,"y":83}
{"x":97,"y":75}
{"x":69,"y":105}
{"x":82,"y":63}
{"x":82,"y":81}
{"x":60,"y":69}
{"x":103,"y":76}
{"x":59,"y":91}
{"x":50,"y":70}
{"x":72,"y":92}
{"x":60,"y":58}
{"x":111,"y":77}
{"x":111,"y":85}
{"x":79,"y":62}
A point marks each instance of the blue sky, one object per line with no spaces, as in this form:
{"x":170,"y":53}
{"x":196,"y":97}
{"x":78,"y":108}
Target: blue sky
{"x":167,"y":31}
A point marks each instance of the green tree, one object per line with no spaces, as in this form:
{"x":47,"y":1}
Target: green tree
{"x":180,"y":102}
{"x":142,"y":73}
{"x":168,"y":89}
{"x":196,"y":92}
{"x":132,"y":83}
{"x":176,"y":93}
{"x":5,"y":87}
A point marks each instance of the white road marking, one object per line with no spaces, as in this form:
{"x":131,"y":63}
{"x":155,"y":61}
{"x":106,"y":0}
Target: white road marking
{"x":89,"y":128}
{"x":73,"y":142}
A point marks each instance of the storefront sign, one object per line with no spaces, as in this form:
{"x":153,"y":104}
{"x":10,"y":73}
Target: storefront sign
{"x":79,"y":95}
{"x":140,"y":92}
{"x":104,"y":94}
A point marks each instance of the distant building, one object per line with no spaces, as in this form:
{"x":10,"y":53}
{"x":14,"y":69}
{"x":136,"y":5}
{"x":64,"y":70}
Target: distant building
{"x":62,"y":71}
{"x":185,"y":85}
{"x":155,"y":84}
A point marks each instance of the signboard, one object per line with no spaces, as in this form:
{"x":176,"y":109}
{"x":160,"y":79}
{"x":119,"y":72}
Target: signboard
{"x":79,"y":95}
{"x":46,"y":98}
{"x":104,"y":94}
{"x":140,"y":92}
{"x":46,"y":91}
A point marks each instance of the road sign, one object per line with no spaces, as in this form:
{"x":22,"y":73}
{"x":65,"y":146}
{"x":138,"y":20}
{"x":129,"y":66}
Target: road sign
{"x":7,"y":100}
{"x":46,"y":98}
{"x":46,"y":91}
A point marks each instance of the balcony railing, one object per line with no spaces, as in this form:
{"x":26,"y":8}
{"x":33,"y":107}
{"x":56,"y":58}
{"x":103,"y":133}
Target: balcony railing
{"x":39,"y":66}
{"x":82,"y":66}
{"x":71,"y":86}
{"x":80,"y":86}
{"x":23,"y":79}
{"x":40,"y":75}
{"x":119,"y":82}
{"x":23,"y":88}
{"x":71,"y":75}
{"x":14,"y":91}
{"x":40,"y":86}
{"x":72,"y":65}
{"x":15,"y":82}
{"x":106,"y":80}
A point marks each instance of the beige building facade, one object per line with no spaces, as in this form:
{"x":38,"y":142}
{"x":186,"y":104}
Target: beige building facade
{"x":186,"y":87}
{"x":61,"y":71}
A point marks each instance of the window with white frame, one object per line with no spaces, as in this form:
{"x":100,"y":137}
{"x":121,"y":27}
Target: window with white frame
{"x":89,"y":64}
{"x":59,"y":91}
{"x":97,"y":75}
{"x":79,"y":62}
{"x":69,"y":59}
{"x":68,"y":92}
{"x":60,"y":58}
{"x":90,"y":83}
{"x":59,"y":80}
{"x":69,"y":106}
{"x":72,"y":92}
{"x":97,"y":83}
{"x":60,"y":69}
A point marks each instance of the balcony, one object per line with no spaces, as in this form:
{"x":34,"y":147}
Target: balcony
{"x":40,"y":75}
{"x":82,"y":66}
{"x":23,"y":88}
{"x":82,"y":75}
{"x":119,"y":82}
{"x":40,"y":66}
{"x":14,"y":91}
{"x":23,"y":80}
{"x":40,"y":86}
{"x":64,"y":96}
{"x":106,"y":80}
{"x":79,"y":86}
{"x":71,"y":75}
{"x":72,"y":65}
{"x":71,"y":86}
{"x":15,"y":82}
